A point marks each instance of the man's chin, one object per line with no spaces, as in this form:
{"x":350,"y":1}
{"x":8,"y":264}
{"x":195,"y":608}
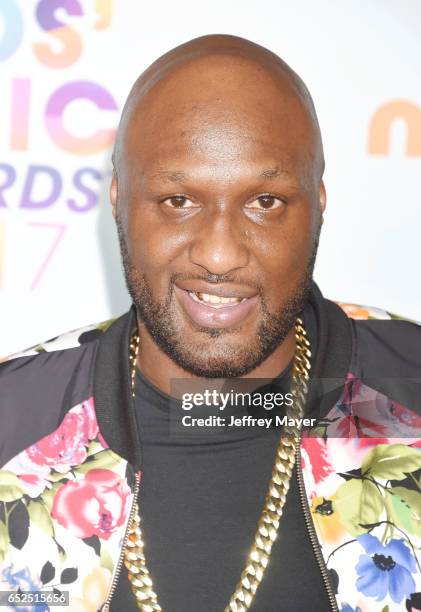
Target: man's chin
{"x":218,"y":359}
{"x":221,"y":369}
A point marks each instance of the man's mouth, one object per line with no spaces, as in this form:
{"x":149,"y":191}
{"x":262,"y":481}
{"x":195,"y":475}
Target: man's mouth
{"x":211,"y":310}
{"x":216,"y":301}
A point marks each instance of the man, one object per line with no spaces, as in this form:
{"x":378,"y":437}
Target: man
{"x":218,"y":198}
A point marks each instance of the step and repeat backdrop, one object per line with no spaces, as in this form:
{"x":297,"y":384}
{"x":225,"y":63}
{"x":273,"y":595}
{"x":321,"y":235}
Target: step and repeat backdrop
{"x":66,"y":67}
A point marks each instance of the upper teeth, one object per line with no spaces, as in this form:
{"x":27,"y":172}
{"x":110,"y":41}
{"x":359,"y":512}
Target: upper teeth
{"x":214,"y":299}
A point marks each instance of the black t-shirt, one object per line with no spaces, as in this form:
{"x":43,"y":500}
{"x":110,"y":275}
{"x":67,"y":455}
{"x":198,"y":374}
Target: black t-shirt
{"x":200,"y":500}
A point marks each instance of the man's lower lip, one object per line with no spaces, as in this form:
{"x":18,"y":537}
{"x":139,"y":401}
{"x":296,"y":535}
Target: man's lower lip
{"x":207,"y":316}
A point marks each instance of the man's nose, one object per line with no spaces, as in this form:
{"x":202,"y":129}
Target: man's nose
{"x":220,"y":245}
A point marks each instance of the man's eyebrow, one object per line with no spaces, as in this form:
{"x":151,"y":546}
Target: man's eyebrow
{"x":272,"y":173}
{"x":175,"y":176}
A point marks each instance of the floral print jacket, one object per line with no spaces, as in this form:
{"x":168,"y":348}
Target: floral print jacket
{"x":70,"y":464}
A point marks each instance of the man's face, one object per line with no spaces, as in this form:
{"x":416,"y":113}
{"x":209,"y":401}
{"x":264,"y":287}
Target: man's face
{"x":218,"y":209}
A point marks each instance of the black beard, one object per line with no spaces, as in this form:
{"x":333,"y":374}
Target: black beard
{"x":157,"y":316}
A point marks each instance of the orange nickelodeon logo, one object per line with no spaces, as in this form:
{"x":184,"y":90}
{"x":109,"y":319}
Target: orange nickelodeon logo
{"x":379,"y":133}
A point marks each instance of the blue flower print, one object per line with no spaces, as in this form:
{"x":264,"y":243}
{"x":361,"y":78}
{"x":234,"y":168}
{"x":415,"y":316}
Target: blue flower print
{"x":347,"y":608}
{"x":385,"y":569}
{"x":13,"y":580}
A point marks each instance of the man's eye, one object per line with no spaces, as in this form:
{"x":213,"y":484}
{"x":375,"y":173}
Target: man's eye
{"x":179,"y":201}
{"x":265,"y":202}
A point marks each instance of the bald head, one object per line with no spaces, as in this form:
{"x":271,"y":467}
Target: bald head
{"x":236,"y":77}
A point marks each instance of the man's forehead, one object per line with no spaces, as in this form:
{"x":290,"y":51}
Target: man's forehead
{"x":256,"y":150}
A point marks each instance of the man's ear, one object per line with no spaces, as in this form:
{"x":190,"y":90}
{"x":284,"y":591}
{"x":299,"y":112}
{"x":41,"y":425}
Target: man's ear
{"x":113,"y":193}
{"x":322,"y":197}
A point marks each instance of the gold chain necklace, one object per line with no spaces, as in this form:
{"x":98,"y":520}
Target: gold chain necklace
{"x":267,"y":527}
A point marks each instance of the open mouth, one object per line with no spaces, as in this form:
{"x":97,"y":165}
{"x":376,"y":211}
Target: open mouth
{"x":211,"y":310}
{"x":215,"y":301}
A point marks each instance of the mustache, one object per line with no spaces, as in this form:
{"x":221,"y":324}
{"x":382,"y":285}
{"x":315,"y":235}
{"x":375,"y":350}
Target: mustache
{"x":216,"y":279}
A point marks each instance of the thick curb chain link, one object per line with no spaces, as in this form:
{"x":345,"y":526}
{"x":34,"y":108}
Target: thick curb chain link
{"x":267,"y":527}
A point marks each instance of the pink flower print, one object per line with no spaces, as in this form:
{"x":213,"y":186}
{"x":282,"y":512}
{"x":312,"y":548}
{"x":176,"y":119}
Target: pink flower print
{"x":67,"y":445}
{"x":97,"y":505}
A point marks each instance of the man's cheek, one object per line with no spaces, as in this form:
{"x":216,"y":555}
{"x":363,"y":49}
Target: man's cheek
{"x":281,"y":287}
{"x":145,"y":247}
